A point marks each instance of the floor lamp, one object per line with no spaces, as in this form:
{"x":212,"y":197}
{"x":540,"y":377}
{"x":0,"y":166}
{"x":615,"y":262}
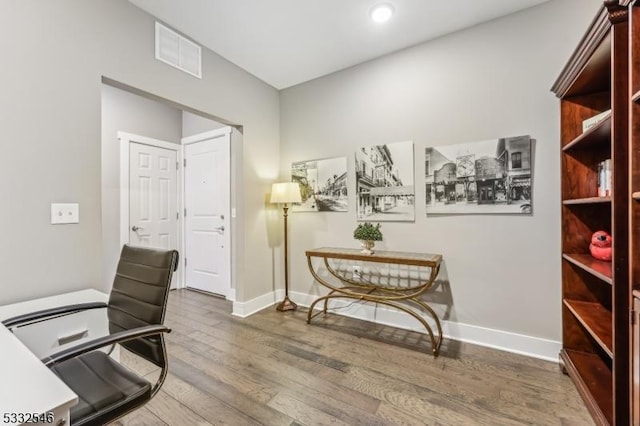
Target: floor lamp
{"x":286,"y":193}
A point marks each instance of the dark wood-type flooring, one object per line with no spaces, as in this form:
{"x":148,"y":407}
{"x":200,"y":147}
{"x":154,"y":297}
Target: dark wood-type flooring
{"x":274,"y":369}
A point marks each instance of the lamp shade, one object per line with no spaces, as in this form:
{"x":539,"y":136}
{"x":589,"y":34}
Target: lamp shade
{"x":285,"y":192}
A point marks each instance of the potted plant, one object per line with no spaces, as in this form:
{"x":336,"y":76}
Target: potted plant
{"x":367,"y":233}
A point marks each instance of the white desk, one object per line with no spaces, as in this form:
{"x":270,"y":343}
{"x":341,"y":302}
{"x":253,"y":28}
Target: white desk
{"x":27,"y":386}
{"x":82,"y":296}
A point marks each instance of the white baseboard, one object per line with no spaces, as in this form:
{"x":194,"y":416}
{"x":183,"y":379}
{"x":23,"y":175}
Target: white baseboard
{"x":250,"y":307}
{"x":521,"y":344}
{"x":497,"y":339}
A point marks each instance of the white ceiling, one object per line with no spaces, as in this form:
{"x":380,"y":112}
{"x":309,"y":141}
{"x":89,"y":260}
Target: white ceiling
{"x":287,"y":42}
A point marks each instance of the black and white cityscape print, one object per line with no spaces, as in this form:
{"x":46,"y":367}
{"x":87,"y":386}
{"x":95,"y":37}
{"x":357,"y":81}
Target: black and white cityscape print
{"x":384,"y":182}
{"x":485,"y":177}
{"x":323,"y":185}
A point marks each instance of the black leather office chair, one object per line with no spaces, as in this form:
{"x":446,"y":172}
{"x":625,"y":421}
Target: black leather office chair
{"x":106,"y":390}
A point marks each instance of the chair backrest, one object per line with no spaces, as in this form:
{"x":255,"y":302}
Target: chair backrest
{"x":139,"y":297}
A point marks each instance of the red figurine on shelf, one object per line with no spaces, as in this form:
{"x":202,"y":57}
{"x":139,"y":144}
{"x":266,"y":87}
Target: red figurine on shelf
{"x":600,"y":246}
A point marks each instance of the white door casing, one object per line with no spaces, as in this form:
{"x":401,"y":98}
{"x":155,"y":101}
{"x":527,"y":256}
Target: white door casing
{"x":207,"y":183}
{"x":150,"y":191}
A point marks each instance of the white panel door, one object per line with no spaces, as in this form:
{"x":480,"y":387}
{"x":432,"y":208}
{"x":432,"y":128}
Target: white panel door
{"x":206,"y":195}
{"x":153,"y":203}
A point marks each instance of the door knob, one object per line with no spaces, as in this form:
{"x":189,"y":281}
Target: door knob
{"x":135,"y":228}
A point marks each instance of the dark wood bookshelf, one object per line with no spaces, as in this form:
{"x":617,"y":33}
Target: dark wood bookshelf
{"x":594,"y":382}
{"x":596,"y":319}
{"x":595,"y":267}
{"x":588,"y":69}
{"x":596,"y":295}
{"x":587,"y":200}
{"x":634,"y":207}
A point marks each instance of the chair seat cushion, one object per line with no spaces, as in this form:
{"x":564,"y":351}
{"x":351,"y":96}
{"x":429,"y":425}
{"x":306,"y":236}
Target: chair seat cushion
{"x":102,"y":385}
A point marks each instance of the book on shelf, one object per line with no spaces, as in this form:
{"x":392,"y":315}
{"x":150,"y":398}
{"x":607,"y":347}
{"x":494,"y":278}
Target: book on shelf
{"x":592,"y":121}
{"x":604,"y":178}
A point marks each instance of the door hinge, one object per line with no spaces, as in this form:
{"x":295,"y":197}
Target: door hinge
{"x":177,"y":215}
{"x":633,"y":317}
{"x":177,"y":165}
{"x":185,"y":212}
{"x":185,"y":262}
{"x":184,"y":162}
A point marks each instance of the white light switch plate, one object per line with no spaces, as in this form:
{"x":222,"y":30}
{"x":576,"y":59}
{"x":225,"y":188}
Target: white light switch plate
{"x":62,"y":213}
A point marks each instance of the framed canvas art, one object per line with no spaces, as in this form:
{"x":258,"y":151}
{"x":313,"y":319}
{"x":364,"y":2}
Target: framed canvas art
{"x":384,"y":182}
{"x":323,"y":185}
{"x":493,"y":176}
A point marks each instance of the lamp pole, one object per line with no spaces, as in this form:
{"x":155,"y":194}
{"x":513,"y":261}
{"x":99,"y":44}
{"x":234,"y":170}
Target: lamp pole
{"x":286,"y":304}
{"x":285,"y":193}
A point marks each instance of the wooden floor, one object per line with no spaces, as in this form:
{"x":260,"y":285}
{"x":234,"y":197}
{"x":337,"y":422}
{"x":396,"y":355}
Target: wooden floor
{"x":274,"y":369}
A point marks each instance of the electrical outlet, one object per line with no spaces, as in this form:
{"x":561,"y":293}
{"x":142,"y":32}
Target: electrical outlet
{"x":356,"y":272}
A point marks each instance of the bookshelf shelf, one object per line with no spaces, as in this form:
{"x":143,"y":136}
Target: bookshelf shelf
{"x":594,"y":381}
{"x":597,"y":268}
{"x":596,"y":319}
{"x":597,"y":135}
{"x":588,"y":200}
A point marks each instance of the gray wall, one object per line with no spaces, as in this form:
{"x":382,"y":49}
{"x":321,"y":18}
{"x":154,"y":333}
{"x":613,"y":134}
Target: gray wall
{"x":50,"y":109}
{"x":486,"y":82}
{"x":126,"y":112}
{"x":193,"y":124}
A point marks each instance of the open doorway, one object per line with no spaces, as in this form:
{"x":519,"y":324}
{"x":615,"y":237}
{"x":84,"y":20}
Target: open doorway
{"x":143,"y":179}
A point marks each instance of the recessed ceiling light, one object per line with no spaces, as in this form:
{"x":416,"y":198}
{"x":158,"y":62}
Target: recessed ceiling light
{"x":381,"y":12}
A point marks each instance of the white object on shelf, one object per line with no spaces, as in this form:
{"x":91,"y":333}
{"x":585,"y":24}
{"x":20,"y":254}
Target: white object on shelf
{"x":601,"y":188}
{"x":592,"y":121}
{"x":604,"y":178}
{"x":607,"y":178}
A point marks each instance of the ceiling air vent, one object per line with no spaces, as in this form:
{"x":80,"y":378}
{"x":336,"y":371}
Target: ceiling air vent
{"x":178,"y":51}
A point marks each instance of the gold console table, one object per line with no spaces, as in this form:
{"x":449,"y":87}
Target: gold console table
{"x":404,"y":298}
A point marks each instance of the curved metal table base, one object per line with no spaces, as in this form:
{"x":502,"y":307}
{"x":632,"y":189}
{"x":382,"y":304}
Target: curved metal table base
{"x":405,"y":299}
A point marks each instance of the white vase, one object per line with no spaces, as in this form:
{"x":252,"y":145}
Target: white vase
{"x":367,"y":246}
